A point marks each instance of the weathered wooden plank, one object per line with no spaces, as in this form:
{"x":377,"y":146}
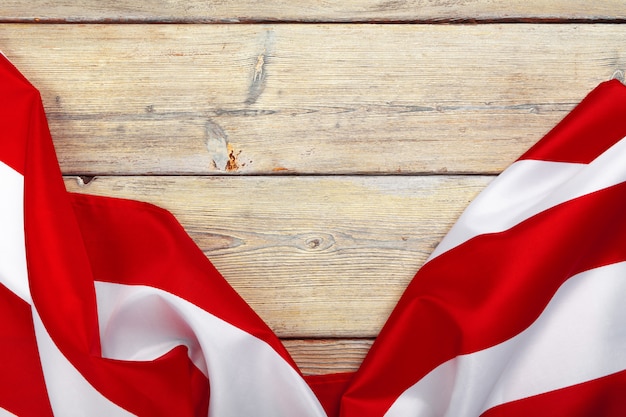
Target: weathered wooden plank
{"x":259,"y":99}
{"x":308,"y":11}
{"x":325,"y":356}
{"x":314,"y":256}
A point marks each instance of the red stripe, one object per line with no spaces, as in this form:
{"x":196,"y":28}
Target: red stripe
{"x":329,"y":389}
{"x":62,"y":287}
{"x":59,"y":272}
{"x":135,"y":243}
{"x":22,"y":387}
{"x":168,"y":386}
{"x":604,"y":397}
{"x":595,"y":125}
{"x":486,"y":291}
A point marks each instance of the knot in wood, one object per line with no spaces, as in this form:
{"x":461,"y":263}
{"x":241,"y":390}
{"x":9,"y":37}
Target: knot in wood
{"x":316,"y":242}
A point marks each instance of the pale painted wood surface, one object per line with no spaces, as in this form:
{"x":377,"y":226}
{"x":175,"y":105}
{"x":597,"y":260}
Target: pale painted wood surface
{"x":303,"y":10}
{"x":316,"y":357}
{"x":341,"y":99}
{"x":314,"y":256}
{"x":317,"y":165}
{"x":322,"y":260}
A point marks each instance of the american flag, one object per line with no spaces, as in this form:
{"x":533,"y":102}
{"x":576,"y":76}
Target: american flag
{"x":108,"y":308}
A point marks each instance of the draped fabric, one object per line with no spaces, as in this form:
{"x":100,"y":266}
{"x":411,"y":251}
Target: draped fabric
{"x":108,"y":308}
{"x":519,"y":309}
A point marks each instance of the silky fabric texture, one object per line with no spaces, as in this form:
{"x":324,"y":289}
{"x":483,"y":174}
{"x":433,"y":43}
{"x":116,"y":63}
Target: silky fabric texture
{"x":111,"y":309}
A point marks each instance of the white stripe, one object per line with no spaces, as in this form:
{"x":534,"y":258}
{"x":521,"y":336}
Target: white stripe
{"x":580,"y":336}
{"x":247,"y":376}
{"x":12,"y":250}
{"x":5,"y":413}
{"x":69,"y":392}
{"x":529,"y":187}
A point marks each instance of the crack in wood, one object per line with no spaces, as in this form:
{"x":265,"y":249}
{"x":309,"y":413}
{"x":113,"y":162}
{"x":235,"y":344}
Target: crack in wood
{"x":217,"y":145}
{"x":259,"y":76}
{"x":223,"y":155}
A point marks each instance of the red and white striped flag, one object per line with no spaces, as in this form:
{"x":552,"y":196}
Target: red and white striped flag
{"x":520,"y":310}
{"x":107,"y":308}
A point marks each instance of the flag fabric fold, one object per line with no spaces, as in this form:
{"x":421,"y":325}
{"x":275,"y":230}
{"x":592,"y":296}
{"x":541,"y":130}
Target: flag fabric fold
{"x":520,"y":304}
{"x":108,"y":308}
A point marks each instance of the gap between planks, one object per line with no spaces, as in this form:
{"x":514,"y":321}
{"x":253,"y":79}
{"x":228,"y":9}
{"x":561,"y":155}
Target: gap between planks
{"x":248,"y":11}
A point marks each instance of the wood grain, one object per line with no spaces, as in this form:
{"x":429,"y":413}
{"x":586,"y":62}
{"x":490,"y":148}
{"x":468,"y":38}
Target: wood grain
{"x":341,"y":99}
{"x":314,"y":256}
{"x":306,"y":11}
{"x":324,"y":356}
{"x":216,"y":122}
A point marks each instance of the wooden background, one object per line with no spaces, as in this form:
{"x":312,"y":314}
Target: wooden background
{"x":316,"y":151}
